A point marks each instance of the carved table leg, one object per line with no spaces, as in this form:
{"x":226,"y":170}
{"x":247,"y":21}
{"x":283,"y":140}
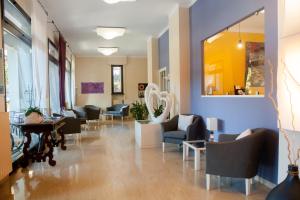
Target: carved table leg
{"x":26,"y":158}
{"x":49,"y":154}
{"x":62,"y":140}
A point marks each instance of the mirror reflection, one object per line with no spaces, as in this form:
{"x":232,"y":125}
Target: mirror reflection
{"x":234,"y":59}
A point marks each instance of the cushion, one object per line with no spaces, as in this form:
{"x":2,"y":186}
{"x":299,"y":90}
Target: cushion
{"x":123,"y":107}
{"x":184,"y":121}
{"x":69,"y":113}
{"x":80,"y":112}
{"x":244,"y":134}
{"x":175,"y":134}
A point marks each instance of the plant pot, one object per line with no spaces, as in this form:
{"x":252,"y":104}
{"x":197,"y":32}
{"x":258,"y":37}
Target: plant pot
{"x":34,"y":118}
{"x":289,"y":189}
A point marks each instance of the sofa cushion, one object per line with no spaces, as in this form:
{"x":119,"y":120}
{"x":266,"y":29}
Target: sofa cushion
{"x":175,"y":134}
{"x":113,"y":112}
{"x":69,"y":113}
{"x":184,"y":121}
{"x":244,"y":134}
{"x":80,"y":112}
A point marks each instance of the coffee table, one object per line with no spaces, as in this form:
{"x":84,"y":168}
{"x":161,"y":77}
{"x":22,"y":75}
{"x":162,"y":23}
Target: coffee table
{"x":197,"y":146}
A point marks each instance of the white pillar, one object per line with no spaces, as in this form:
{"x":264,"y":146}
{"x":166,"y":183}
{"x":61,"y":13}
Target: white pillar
{"x":152,"y":60}
{"x":179,"y":45}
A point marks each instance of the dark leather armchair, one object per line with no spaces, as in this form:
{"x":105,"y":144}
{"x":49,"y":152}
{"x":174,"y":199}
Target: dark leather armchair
{"x":92,"y":112}
{"x":118,"y":110}
{"x":171,"y":134}
{"x":80,"y":114}
{"x":72,"y":125}
{"x":235,"y":158}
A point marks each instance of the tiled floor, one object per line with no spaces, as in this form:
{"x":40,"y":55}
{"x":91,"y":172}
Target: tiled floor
{"x":106,"y":164}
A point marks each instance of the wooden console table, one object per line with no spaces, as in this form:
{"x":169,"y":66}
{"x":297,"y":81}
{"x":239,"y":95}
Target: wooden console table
{"x":45,"y":130}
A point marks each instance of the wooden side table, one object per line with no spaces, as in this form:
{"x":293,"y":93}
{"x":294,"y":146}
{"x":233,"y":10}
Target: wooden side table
{"x":44,"y":129}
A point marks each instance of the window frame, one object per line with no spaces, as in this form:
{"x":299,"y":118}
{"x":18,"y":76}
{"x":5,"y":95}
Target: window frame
{"x":202,"y":63}
{"x":112,"y":80}
{"x":11,"y":28}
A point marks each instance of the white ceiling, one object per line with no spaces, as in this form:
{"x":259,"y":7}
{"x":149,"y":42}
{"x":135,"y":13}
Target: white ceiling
{"x":253,"y":24}
{"x":77,"y":20}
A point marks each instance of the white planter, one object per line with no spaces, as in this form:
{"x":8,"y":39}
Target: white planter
{"x":147,"y":135}
{"x":34,"y":118}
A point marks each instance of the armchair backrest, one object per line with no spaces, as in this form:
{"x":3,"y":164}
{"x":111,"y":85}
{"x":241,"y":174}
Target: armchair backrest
{"x":196,"y":131}
{"x":92,"y":112}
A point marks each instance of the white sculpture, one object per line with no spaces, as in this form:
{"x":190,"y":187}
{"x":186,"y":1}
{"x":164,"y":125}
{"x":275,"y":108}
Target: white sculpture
{"x":154,"y":97}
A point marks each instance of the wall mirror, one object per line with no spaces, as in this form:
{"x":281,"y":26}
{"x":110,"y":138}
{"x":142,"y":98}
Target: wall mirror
{"x":234,"y":58}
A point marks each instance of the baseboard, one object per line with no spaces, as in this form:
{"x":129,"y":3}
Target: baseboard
{"x":265,"y":182}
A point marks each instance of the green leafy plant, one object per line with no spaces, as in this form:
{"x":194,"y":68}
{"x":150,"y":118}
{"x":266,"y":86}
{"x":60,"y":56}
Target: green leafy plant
{"x":158,"y":110}
{"x":33,"y":110}
{"x":139,"y":110}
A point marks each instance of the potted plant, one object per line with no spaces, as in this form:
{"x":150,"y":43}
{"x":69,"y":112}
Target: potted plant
{"x":139,"y":111}
{"x":33,"y":115}
{"x":158,"y":110}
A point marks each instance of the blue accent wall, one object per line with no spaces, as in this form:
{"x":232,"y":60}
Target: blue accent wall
{"x":163,"y":48}
{"x":208,"y":17}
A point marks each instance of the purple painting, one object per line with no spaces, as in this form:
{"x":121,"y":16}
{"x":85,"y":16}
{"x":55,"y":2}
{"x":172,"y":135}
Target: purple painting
{"x":92,"y":88}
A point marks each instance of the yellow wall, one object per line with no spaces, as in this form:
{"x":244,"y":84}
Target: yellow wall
{"x":98,"y":69}
{"x":226,"y":62}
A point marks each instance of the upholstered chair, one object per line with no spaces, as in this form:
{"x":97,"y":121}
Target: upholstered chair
{"x":171,"y":134}
{"x":235,"y":158}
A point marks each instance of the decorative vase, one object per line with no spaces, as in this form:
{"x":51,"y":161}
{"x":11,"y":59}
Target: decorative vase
{"x":289,"y":189}
{"x":34,"y":118}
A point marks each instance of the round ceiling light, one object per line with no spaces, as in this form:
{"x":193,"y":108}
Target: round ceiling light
{"x":107,"y":51}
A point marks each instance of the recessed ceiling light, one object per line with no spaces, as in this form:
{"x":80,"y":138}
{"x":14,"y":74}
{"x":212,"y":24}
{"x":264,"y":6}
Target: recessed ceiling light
{"x":107,"y":51}
{"x":116,"y":1}
{"x":109,"y":33}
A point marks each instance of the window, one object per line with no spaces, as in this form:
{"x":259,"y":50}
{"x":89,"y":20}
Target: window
{"x":16,"y":17}
{"x":234,"y":59}
{"x":18,"y":59}
{"x":68,"y":81}
{"x":54,"y":78}
{"x":117,"y":79}
{"x":163,"y":80}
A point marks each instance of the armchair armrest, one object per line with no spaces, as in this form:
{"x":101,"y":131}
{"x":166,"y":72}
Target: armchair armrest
{"x":57,"y":115}
{"x":110,"y":108}
{"x":125,"y":111}
{"x":238,"y":159}
{"x":170,"y":125}
{"x":227,"y":137}
{"x":197,"y":130}
{"x":193,"y":130}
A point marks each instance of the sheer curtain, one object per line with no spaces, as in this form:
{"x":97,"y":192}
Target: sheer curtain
{"x":40,"y":55}
{"x":54,"y":87}
{"x":19,"y":73}
{"x":68,"y":85}
{"x":73,"y":82}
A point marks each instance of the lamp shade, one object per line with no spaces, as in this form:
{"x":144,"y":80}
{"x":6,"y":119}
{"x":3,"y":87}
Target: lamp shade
{"x":212,"y":124}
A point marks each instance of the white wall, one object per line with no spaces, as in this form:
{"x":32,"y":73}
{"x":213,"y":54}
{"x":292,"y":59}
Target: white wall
{"x":98,"y":69}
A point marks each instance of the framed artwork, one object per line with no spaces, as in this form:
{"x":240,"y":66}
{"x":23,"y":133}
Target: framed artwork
{"x":141,"y":89}
{"x":255,"y":63}
{"x":117,"y":79}
{"x":92,"y":87}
